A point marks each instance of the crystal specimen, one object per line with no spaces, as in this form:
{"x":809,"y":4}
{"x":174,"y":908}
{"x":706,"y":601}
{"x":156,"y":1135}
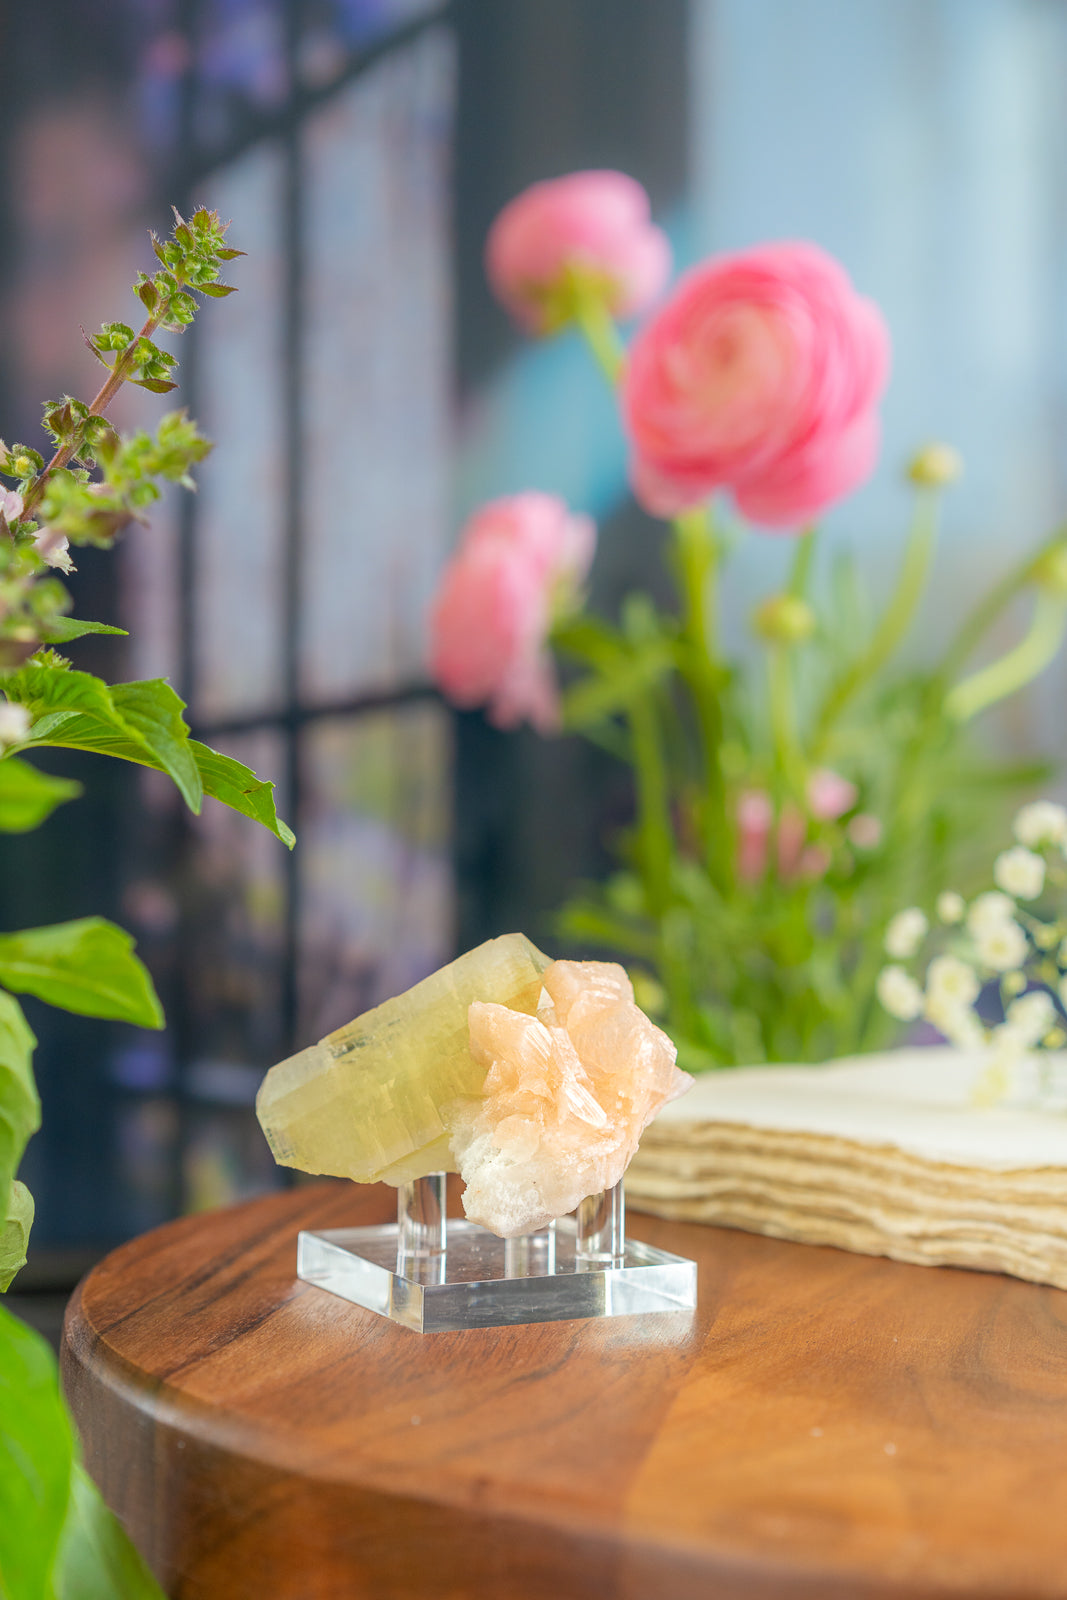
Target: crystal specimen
{"x":366,"y":1102}
{"x":567,"y":1095}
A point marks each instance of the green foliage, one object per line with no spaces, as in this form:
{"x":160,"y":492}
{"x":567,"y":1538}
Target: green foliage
{"x":28,"y":797}
{"x":58,"y":1541}
{"x":62,"y":501}
{"x":20,"y":1108}
{"x":96,"y":1560}
{"x":64,"y":629}
{"x":16,"y":1220}
{"x":36,"y":1453}
{"x":86,"y":966}
{"x":779,"y":961}
{"x":136,"y":721}
{"x":140,"y":722}
{"x":238,"y":787}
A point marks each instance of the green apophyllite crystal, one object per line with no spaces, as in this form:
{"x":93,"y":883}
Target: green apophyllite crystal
{"x":365,"y":1103}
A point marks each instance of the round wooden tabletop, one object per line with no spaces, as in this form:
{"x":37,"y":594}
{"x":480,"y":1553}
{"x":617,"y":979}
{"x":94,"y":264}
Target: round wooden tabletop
{"x":824,"y":1426}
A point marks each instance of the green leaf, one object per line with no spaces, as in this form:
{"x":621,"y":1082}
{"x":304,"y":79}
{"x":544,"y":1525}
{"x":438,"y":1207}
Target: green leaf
{"x":63,"y":629}
{"x":96,"y":1560}
{"x":139,"y":721}
{"x":20,"y":1109}
{"x":155,"y":385}
{"x":87,"y":966}
{"x":238,"y":787}
{"x":36,"y":1451}
{"x":15,"y":1225}
{"x":595,"y":698}
{"x":58,"y":1540}
{"x":27,"y":796}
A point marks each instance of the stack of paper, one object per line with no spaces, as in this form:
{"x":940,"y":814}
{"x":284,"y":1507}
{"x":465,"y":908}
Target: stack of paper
{"x":885,"y":1155}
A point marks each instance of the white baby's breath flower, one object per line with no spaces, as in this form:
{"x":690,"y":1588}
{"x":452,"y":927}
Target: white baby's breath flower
{"x":948,"y":978}
{"x":905,"y":933}
{"x":989,"y":911}
{"x":956,"y":1021}
{"x":1001,"y":947}
{"x":14,"y":723}
{"x":1019,"y":872}
{"x":950,"y":906}
{"x":1043,"y":822}
{"x":1031,"y":1016}
{"x":899,"y":993}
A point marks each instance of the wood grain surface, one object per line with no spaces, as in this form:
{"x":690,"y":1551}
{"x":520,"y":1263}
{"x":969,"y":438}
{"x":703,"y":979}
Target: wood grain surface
{"x":824,"y":1426}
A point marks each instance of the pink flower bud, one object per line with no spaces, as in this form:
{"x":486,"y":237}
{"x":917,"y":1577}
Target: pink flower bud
{"x":755,"y":818}
{"x":519,"y":559}
{"x":792,"y":835}
{"x":593,"y":224}
{"x":865,"y":831}
{"x":830,"y":795}
{"x":814,"y":862}
{"x":760,"y":375}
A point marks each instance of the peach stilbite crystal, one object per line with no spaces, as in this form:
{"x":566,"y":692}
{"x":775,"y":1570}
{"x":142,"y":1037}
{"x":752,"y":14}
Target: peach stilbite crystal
{"x":567,"y":1095}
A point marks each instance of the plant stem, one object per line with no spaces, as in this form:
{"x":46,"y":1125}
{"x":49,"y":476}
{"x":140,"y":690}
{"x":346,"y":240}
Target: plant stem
{"x":122,"y":367}
{"x":895,"y":622}
{"x":655,"y":837}
{"x":1029,"y":658}
{"x":788,"y":758}
{"x":601,"y":334}
{"x":982,"y":618}
{"x":697,"y":557}
{"x":800,"y":570}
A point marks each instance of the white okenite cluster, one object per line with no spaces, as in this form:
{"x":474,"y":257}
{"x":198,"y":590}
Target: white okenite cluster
{"x":567,"y":1095}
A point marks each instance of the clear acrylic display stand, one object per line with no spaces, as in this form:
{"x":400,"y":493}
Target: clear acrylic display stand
{"x":435,"y":1276}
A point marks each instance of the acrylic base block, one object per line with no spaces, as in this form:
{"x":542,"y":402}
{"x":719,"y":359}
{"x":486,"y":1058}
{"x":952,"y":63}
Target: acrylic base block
{"x":435,"y":1277}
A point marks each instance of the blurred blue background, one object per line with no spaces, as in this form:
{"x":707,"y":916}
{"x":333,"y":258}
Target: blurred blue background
{"x":366,"y":394}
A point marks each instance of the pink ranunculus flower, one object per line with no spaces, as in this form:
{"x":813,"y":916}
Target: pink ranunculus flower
{"x":518,"y":560}
{"x":595,"y":223}
{"x":761,"y":375}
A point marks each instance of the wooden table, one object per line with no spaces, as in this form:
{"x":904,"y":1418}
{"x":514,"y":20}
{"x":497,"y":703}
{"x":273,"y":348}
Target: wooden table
{"x":825,"y":1426}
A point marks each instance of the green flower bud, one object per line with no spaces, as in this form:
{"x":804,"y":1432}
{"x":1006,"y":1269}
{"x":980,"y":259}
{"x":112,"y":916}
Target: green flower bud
{"x":784,"y":619}
{"x":1051,"y":571}
{"x":935,"y":466}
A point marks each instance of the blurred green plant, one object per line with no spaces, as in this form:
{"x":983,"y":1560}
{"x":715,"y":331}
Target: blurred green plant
{"x":766,"y":859}
{"x":779,"y":823}
{"x":57,"y":1538}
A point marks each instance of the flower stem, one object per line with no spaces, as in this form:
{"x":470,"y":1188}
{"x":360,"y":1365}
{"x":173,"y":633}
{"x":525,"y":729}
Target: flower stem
{"x":601,"y":334}
{"x":895,"y":622}
{"x":697,"y":553}
{"x":654,"y":834}
{"x":788,"y":758}
{"x":121,"y":368}
{"x":982,"y":618}
{"x":1029,"y":658}
{"x":800,"y":569}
